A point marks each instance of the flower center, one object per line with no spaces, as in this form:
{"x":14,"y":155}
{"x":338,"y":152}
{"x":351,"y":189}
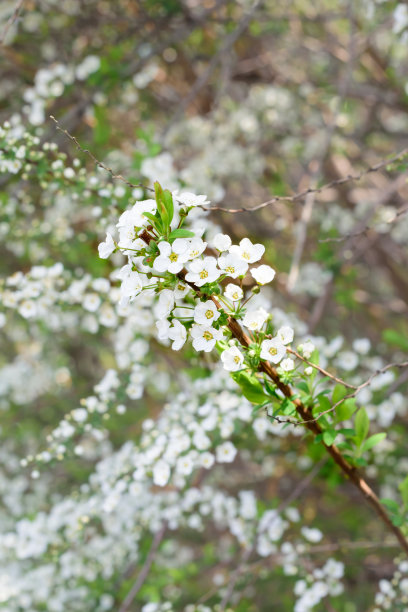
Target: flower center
{"x":209,"y":314}
{"x":237,"y":359}
{"x":246,"y":255}
{"x":235,"y":296}
{"x":273,"y":350}
{"x":203,"y":274}
{"x":193,"y":253}
{"x":173,"y":257}
{"x":230,"y":269}
{"x":207,"y":335}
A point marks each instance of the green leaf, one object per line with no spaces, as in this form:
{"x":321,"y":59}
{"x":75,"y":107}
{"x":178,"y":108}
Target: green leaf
{"x":338,"y":393}
{"x":362,"y":425}
{"x":372,"y":441}
{"x":403,"y":487}
{"x":395,"y":338}
{"x":153,"y":220}
{"x":250,"y":386}
{"x":180,"y":233}
{"x":329,"y":436}
{"x":303,"y":386}
{"x":346,"y":409}
{"x":168,"y":203}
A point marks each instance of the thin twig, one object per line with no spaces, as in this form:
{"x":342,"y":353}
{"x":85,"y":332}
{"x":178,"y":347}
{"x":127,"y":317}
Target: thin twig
{"x":96,"y":161}
{"x":11,"y":21}
{"x":321,"y":370}
{"x":302,"y":194}
{"x":159,"y":535}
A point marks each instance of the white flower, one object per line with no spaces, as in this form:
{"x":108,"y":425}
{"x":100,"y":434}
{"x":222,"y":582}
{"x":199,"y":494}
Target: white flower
{"x":132,"y":285}
{"x":312,"y":534}
{"x":222,"y":242}
{"x":205,"y":313}
{"x":233,"y":292}
{"x":184,"y":465}
{"x":287,"y":365}
{"x":306,"y":349}
{"x":232,"y":359}
{"x":132,"y":220}
{"x":205,"y":337}
{"x":165,"y":304}
{"x":247,"y":251}
{"x":172,"y":256}
{"x":196,"y":246}
{"x":161,"y":473}
{"x":178,"y":334}
{"x":263,"y":274}
{"x":272,"y":350}
{"x":206,"y":460}
{"x":362,"y":345}
{"x":163,"y":328}
{"x":232,"y":265}
{"x":91,"y":302}
{"x":106,"y":248}
{"x":285,"y":334}
{"x":27,"y":309}
{"x":180,"y":290}
{"x":191,"y":199}
{"x":226,"y":452}
{"x":254,"y":319}
{"x":202,"y":271}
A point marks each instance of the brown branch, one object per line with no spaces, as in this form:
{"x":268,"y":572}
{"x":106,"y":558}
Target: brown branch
{"x":307,"y":418}
{"x":321,"y":370}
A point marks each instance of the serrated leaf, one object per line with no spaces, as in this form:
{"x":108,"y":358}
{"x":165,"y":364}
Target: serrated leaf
{"x":372,"y":441}
{"x":362,"y":425}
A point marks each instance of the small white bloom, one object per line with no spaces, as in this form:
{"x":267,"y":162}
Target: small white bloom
{"x":306,"y":349}
{"x":309,"y":371}
{"x":161,"y":473}
{"x":206,"y":460}
{"x":172,"y":256}
{"x":191,"y":199}
{"x":165,"y":304}
{"x":184,"y":465}
{"x":206,"y":312}
{"x":91,"y":302}
{"x":362,"y":345}
{"x":222,"y":242}
{"x":287,"y":365}
{"x":312,"y":534}
{"x":254,"y":319}
{"x":263,"y":274}
{"x":202,"y":271}
{"x":132,"y":285}
{"x":106,"y":248}
{"x":232,"y":359}
{"x":226,"y":452}
{"x":196,"y":246}
{"x":178,"y":334}
{"x":27,"y":309}
{"x":247,"y":251}
{"x":285,"y":334}
{"x":180,"y":290}
{"x":163,"y":328}
{"x":205,"y":337}
{"x":273,"y":350}
{"x":233,"y":292}
{"x":232,"y":265}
